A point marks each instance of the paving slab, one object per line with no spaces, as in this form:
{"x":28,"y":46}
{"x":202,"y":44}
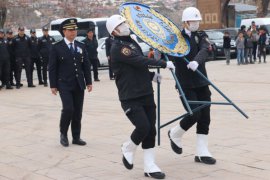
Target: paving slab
{"x":30,"y":148}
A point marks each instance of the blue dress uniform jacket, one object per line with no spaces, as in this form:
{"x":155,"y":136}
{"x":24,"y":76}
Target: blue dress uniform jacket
{"x":130,"y":67}
{"x":67,"y":70}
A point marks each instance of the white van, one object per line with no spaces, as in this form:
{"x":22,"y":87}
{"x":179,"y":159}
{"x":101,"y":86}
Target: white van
{"x":99,"y":24}
{"x":258,"y":21}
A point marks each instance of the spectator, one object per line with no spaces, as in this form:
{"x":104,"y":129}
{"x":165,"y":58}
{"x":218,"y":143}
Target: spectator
{"x":227,"y":47}
{"x":240,"y":46}
{"x":151,"y":53}
{"x":255,"y":38}
{"x":262,"y":43}
{"x":248,"y":47}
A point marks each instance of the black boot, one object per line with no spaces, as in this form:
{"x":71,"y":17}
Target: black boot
{"x":64,"y":140}
{"x":155,"y":175}
{"x":205,"y":160}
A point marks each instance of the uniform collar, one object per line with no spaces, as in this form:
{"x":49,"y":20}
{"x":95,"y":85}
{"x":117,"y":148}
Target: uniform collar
{"x":188,"y":32}
{"x":68,"y":42}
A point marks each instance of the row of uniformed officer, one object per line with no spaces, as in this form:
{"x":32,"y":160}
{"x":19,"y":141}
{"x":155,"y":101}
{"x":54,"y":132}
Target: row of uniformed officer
{"x":69,"y":73}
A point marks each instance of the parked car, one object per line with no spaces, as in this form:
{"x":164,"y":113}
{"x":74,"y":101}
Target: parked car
{"x":216,"y":40}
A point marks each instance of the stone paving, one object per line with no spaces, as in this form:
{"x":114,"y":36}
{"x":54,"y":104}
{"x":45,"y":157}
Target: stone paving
{"x":30,"y":148}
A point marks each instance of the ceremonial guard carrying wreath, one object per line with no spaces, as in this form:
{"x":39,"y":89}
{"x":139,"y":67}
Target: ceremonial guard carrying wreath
{"x":134,"y":83}
{"x":69,"y":73}
{"x":194,"y":86}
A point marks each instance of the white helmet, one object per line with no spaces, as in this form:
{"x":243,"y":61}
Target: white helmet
{"x":191,"y":14}
{"x":113,"y":22}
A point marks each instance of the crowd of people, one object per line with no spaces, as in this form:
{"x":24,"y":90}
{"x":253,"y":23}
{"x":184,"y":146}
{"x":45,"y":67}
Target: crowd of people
{"x":250,"y":44}
{"x":18,"y":51}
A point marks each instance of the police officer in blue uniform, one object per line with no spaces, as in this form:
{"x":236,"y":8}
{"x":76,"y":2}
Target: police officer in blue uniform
{"x":21,"y":47}
{"x":69,"y":73}
{"x":134,"y":83}
{"x":44,"y":45}
{"x":194,"y":86}
{"x":10,"y":36}
{"x":4,"y":61}
{"x":91,"y":45}
{"x":35,"y":55}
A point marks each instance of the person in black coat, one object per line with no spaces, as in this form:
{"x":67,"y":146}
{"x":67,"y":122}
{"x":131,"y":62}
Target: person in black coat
{"x":21,"y":47}
{"x":35,"y":55}
{"x":11,"y":57}
{"x":91,"y":45}
{"x":227,"y":46}
{"x":108,"y":44}
{"x":44,"y":45}
{"x":134,"y":84}
{"x":69,"y":73}
{"x":4,"y":61}
{"x":262,"y":43}
{"x":194,"y":87}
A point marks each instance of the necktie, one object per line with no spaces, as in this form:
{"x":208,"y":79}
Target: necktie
{"x":71,"y":48}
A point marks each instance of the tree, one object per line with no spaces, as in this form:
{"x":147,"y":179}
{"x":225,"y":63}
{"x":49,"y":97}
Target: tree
{"x":262,"y":7}
{"x":3,"y":12}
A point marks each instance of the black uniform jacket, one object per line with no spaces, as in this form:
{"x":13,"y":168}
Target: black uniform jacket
{"x":91,"y":47}
{"x":133,"y":78}
{"x":66,"y":70}
{"x":21,"y":46}
{"x":4,"y":53}
{"x":199,"y":49}
{"x":108,"y":45}
{"x":34,"y":47}
{"x":44,"y":45}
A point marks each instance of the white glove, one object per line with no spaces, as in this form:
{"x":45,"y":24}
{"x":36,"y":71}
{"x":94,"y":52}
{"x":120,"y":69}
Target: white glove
{"x":170,"y":65}
{"x":193,"y":65}
{"x":157,"y":77}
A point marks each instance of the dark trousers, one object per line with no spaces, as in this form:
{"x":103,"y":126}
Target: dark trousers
{"x":202,"y":117}
{"x":12,"y":74}
{"x":94,"y":63}
{"x":38,"y":66}
{"x":28,"y":66}
{"x":72,"y":106}
{"x":262,"y":52}
{"x":44,"y":65}
{"x":254,"y":50}
{"x":110,"y":69}
{"x":142,"y":114}
{"x":4,"y":71}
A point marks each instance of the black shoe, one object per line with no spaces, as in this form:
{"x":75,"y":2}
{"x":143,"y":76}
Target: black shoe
{"x":18,"y":86}
{"x":45,"y":85}
{"x":174,"y":147}
{"x":96,"y":80}
{"x":41,"y":83}
{"x":78,"y":142}
{"x":31,"y":85}
{"x":205,"y":159}
{"x":64,"y":140}
{"x":12,"y":84}
{"x":9,"y":87}
{"x":21,"y":84}
{"x":126,"y":164}
{"x":155,"y":175}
